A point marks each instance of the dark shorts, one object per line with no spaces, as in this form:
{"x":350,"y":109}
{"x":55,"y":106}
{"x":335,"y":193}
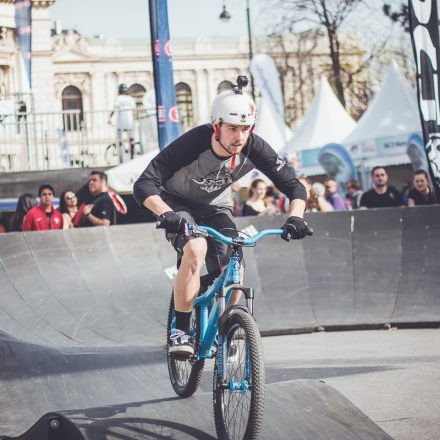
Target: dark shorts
{"x":215,"y":217}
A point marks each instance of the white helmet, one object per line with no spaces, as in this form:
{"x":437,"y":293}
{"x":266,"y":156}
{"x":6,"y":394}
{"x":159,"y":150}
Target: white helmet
{"x":233,"y":107}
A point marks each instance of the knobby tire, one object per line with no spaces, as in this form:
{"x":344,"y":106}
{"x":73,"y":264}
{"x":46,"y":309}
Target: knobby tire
{"x":185,"y":375}
{"x":241,"y":330}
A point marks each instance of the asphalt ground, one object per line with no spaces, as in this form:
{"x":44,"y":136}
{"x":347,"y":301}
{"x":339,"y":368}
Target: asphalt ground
{"x":393,"y":376}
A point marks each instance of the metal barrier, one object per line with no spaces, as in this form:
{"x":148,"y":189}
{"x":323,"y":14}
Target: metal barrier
{"x":45,"y":141}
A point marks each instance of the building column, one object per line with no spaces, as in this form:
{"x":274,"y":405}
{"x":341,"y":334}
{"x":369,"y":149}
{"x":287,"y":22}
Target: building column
{"x":202,"y":93}
{"x":98,"y":92}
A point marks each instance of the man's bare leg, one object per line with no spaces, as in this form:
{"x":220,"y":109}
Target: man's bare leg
{"x":186,"y":289}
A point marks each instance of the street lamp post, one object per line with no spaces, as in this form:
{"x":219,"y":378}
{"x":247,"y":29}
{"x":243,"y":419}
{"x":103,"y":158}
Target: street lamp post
{"x":225,"y":17}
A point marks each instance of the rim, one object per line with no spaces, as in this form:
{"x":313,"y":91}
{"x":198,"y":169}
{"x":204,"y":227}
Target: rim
{"x":236,"y":405}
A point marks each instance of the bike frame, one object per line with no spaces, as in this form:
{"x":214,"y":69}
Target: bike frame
{"x":220,"y":294}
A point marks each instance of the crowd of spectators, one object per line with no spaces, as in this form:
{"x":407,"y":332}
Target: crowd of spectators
{"x":327,"y":196}
{"x":97,"y":207}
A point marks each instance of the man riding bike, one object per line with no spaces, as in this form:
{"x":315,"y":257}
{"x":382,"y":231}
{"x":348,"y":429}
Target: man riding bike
{"x":189,"y":182}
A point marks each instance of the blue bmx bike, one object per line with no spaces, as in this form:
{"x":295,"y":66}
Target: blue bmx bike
{"x":229,"y":334}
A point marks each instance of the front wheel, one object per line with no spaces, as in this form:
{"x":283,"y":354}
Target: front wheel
{"x":239,"y":396}
{"x":185,"y":373}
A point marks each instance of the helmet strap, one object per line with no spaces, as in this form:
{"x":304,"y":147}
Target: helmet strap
{"x":217,"y":132}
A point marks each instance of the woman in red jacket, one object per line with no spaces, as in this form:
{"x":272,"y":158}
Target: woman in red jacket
{"x":44,"y":216}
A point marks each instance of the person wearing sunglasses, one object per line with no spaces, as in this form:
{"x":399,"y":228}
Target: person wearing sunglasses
{"x":69,"y":209}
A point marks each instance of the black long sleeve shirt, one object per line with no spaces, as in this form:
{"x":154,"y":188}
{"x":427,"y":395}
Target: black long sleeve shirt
{"x":188,"y":168}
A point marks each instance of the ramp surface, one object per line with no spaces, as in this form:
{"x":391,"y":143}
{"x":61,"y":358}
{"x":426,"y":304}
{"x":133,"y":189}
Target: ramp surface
{"x":82,"y":316}
{"x":116,"y":393}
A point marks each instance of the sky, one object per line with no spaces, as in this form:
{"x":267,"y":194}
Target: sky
{"x":128,"y":19}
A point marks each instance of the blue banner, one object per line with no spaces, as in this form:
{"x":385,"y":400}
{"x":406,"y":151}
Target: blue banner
{"x":167,"y":112}
{"x":23,"y":26}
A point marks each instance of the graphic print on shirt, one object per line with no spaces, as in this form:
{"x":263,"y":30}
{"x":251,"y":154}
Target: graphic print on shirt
{"x":215,"y":180}
{"x":280,"y":163}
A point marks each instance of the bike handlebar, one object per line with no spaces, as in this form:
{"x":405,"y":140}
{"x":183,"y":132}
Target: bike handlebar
{"x":206,"y":230}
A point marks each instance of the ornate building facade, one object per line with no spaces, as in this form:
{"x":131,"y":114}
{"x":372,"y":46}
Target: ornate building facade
{"x":71,"y":72}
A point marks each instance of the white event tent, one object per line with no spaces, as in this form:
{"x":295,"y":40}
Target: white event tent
{"x":326,"y":121}
{"x":381,"y":134}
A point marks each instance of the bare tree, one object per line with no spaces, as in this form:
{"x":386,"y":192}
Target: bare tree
{"x":398,"y":15}
{"x":292,"y":54}
{"x":330,"y":16}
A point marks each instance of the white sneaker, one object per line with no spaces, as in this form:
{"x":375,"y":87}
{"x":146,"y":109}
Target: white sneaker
{"x":181,"y":344}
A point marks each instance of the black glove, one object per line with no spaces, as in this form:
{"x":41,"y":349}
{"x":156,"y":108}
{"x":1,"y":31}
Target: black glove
{"x":172,"y":222}
{"x":295,"y":228}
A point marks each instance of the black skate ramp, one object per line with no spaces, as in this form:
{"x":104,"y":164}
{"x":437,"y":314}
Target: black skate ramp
{"x":82,"y":321}
{"x":123,"y":393}
{"x":313,"y":411}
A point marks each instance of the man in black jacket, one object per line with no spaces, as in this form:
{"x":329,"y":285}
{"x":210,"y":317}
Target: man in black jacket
{"x":190,"y":182}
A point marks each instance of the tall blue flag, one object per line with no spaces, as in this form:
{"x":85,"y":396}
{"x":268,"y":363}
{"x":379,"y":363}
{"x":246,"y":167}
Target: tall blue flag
{"x":23,"y":26}
{"x":167,"y":112}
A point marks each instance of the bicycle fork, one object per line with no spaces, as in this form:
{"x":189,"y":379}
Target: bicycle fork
{"x":222,"y":353}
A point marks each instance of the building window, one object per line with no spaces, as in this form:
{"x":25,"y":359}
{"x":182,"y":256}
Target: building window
{"x":137,"y":92}
{"x":224,"y":85}
{"x":72,"y":102}
{"x":185,"y":105}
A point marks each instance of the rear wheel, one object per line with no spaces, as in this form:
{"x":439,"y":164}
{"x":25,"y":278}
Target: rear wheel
{"x":185,"y":373}
{"x":239,"y":397}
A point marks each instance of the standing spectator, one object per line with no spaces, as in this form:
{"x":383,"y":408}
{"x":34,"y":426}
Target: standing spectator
{"x":69,"y":209}
{"x":405,"y":192}
{"x":25,"y":203}
{"x":255,"y":204}
{"x":332,"y":196}
{"x":381,"y":195}
{"x":100,"y":210}
{"x":354,"y":194}
{"x":44,"y":216}
{"x":315,"y":196}
{"x":270,"y":200}
{"x":422,"y":193}
{"x":123,"y":107}
{"x":2,"y":224}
